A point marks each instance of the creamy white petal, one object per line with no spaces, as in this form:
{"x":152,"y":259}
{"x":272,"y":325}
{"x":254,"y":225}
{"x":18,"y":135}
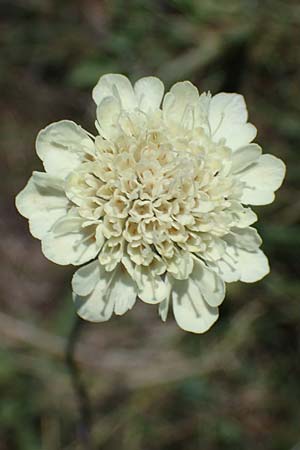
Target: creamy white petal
{"x":246,"y":238}
{"x":212,"y":287}
{"x":41,"y":222}
{"x":41,"y":191}
{"x":86,"y":278}
{"x":240,"y":135}
{"x":108,"y":112}
{"x":163,"y":307}
{"x":214,"y":250}
{"x":227,"y":117}
{"x":253,"y":266}
{"x":239,"y":264}
{"x":181,"y":265}
{"x":261,"y":180}
{"x":243,"y":216}
{"x":62,"y":147}
{"x":227,"y":107}
{"x":43,"y":202}
{"x":107,"y":292}
{"x":151,"y":288}
{"x":191,"y":311}
{"x":245,"y":156}
{"x":149,"y":92}
{"x":123,"y":291}
{"x":99,"y":236}
{"x":68,"y":243}
{"x":129,"y":265}
{"x":74,"y":188}
{"x":98,"y":306}
{"x":181,"y":105}
{"x":70,"y":223}
{"x":118,"y":86}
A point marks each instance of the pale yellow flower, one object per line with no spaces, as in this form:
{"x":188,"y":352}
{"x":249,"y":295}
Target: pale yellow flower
{"x":156,"y":203}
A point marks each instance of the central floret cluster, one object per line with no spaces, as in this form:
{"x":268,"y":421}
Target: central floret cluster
{"x":155,"y":202}
{"x":157,"y":198}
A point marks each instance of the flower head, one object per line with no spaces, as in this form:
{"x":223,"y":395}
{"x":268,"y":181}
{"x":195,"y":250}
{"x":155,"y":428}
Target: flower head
{"x":156,"y":205}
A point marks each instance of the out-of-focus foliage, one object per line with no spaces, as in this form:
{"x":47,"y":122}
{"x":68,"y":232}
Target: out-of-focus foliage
{"x":151,"y":386}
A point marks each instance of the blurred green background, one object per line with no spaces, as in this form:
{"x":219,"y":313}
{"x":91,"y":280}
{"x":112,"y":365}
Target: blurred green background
{"x":150,"y":386}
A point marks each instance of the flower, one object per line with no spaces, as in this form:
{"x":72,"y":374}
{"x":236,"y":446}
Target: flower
{"x":157,"y":203}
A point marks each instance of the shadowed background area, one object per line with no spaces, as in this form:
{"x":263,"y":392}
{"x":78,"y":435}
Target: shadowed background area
{"x":144,"y":384}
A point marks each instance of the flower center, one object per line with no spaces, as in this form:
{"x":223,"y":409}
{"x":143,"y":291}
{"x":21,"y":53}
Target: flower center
{"x":156,"y":195}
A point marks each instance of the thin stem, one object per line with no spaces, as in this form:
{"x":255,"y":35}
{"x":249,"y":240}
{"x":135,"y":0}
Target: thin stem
{"x":80,"y":392}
